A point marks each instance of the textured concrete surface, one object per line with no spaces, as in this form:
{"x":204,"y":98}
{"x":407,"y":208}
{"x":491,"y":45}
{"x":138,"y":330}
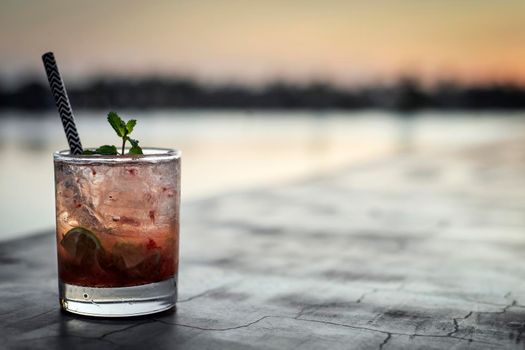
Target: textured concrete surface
{"x":418,"y":251}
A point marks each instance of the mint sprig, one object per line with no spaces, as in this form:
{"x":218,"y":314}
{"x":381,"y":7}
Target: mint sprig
{"x":123,"y":130}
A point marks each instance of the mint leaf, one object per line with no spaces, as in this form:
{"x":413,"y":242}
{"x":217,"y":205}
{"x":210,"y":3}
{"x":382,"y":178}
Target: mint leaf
{"x":130,"y":125}
{"x":107,"y":150}
{"x":122,"y":129}
{"x":135,"y":148}
{"x":118,"y":124}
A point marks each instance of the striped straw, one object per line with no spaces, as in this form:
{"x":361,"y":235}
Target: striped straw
{"x":62,"y":102}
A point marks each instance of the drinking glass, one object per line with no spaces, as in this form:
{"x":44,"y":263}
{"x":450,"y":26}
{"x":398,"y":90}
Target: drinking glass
{"x":117,"y":230}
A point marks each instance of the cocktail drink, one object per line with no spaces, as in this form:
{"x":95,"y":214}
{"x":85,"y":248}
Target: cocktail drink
{"x":117,"y":226}
{"x":117,"y":219}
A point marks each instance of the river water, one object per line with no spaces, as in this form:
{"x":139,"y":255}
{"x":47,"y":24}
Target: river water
{"x":228,"y":150}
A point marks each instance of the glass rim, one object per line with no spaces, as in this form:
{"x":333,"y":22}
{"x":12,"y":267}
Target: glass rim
{"x":151,"y":154}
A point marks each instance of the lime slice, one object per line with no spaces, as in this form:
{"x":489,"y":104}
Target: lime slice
{"x":82,"y":245}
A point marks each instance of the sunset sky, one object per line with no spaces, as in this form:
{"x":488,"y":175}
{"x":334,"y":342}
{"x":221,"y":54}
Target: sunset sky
{"x":248,"y":41}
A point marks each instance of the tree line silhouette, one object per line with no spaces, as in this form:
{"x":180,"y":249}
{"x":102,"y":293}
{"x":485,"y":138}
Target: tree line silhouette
{"x":154,"y":93}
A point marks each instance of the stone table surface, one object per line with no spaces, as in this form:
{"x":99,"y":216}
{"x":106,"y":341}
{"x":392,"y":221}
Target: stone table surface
{"x":422,"y":250}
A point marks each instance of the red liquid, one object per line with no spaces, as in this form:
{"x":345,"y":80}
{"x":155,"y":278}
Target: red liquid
{"x":129,"y":219}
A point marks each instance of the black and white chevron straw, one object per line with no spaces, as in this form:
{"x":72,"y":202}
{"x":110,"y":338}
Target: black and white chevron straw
{"x":62,"y":102}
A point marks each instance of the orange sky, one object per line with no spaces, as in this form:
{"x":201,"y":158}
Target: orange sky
{"x":254,"y":41}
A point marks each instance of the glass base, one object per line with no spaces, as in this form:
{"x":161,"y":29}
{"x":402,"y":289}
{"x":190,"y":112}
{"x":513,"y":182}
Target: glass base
{"x":119,"y":302}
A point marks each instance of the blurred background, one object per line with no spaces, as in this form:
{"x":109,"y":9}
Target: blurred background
{"x":255,"y":93}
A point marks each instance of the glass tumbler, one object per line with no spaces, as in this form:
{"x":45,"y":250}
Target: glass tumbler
{"x":117,"y":230}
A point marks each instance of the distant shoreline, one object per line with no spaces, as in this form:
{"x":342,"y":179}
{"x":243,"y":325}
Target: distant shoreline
{"x":150,"y":93}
